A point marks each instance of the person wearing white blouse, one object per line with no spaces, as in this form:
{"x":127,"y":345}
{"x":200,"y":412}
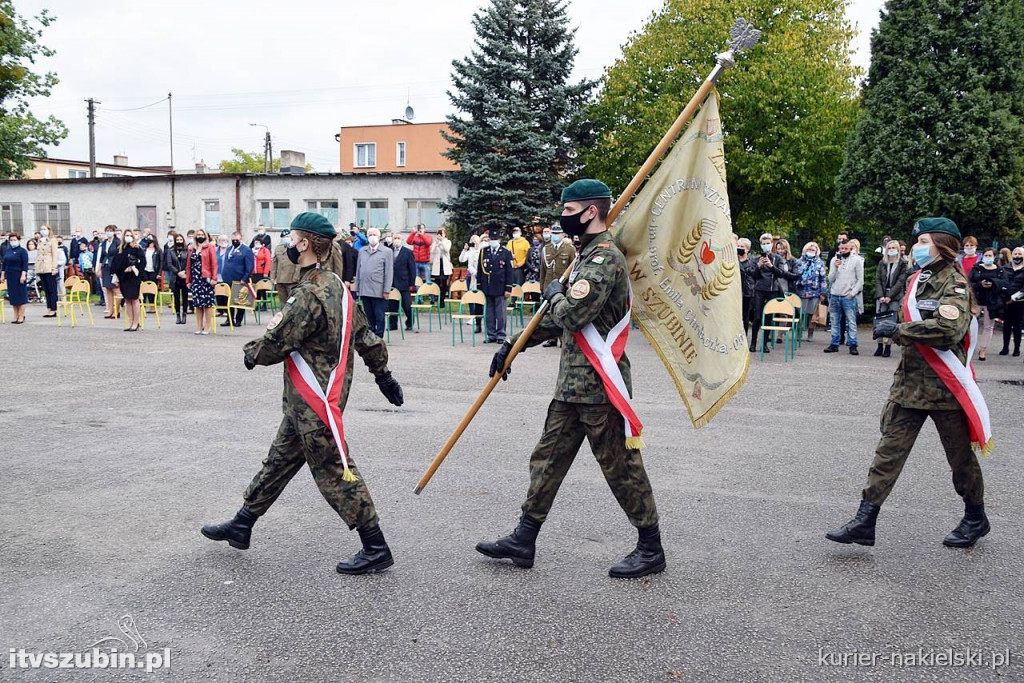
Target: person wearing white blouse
{"x":441,"y":261}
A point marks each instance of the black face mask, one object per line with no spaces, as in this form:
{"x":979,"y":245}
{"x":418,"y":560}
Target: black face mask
{"x":741,"y":252}
{"x":293,"y":254}
{"x":1017,"y":259}
{"x":573,"y":225}
{"x":236,"y":242}
{"x":179,"y":245}
{"x":200,"y":240}
{"x":846,"y":255}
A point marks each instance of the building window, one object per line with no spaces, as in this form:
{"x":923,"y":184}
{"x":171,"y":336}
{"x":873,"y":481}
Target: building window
{"x":78,"y":174}
{"x":365,"y":154}
{"x":57,"y":216}
{"x":10,"y":218}
{"x":372,"y":213}
{"x":211,"y":216}
{"x":145,"y":217}
{"x":328,"y":208}
{"x":400,"y":154}
{"x":425,"y":211}
{"x":275,"y":214}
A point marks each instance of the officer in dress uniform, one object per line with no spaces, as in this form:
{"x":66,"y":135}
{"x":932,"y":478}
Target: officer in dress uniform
{"x":556,"y":256}
{"x":495,"y":278}
{"x":312,"y":336}
{"x":598,"y":294}
{"x":943,"y":304}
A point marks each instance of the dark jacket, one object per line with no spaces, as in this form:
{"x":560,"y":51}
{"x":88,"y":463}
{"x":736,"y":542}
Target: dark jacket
{"x":158,"y":262}
{"x":748,"y":272}
{"x":173,"y":263}
{"x":264,"y":238}
{"x":349,"y":261}
{"x":494,"y":274}
{"x":1014,"y":283}
{"x":991,"y":297}
{"x":894,"y":289}
{"x":404,"y":275}
{"x":130,"y":256}
{"x":238,"y":264}
{"x":769,"y":278}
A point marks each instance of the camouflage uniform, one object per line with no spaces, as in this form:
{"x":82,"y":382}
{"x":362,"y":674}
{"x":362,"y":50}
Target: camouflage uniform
{"x":599,"y":293}
{"x":918,"y":393}
{"x":311,"y":324}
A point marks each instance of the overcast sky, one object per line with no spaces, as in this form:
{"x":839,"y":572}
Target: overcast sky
{"x":303,"y":68}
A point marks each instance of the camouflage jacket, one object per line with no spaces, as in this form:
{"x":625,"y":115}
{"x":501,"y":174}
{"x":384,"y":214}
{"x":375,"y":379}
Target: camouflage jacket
{"x":310,"y":323}
{"x":943,"y":299}
{"x":598,"y":293}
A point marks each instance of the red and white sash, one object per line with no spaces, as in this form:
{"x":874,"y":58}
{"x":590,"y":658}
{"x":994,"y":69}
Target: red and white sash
{"x":958,"y":377}
{"x":325,"y":404}
{"x":604,"y":355}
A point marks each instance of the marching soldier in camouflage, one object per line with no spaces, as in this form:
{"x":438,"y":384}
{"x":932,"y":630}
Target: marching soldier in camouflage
{"x":311,"y":323}
{"x":598,"y":294}
{"x":944,"y":302}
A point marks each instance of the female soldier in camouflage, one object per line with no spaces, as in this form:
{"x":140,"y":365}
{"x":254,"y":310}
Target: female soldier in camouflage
{"x":933,"y":380}
{"x":312,"y":336}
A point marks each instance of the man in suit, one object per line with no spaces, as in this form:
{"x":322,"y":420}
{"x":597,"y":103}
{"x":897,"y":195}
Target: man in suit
{"x":495,"y":278}
{"x":404,"y":280}
{"x":238,"y":264}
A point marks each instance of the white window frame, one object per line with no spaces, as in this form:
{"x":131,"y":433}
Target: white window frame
{"x":76,"y":173}
{"x":355,"y":154}
{"x":400,"y":153}
{"x":219,"y":212}
{"x":369,"y":210}
{"x":58,"y":221}
{"x":11,"y":218}
{"x":269,"y":223}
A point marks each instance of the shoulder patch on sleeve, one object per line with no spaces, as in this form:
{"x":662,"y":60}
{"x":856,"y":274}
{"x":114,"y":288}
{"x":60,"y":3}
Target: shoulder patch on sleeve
{"x":949,"y":312}
{"x":580,"y":290}
{"x":597,"y":259}
{"x":290,"y":300}
{"x":959,"y":290}
{"x":604,"y":245}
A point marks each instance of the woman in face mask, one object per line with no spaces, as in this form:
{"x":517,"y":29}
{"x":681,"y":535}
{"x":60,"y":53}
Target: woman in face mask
{"x":811,"y":286}
{"x":174,"y":265}
{"x":988,"y":281}
{"x":890,"y":284}
{"x":47,"y":268}
{"x":128,"y":266}
{"x":1013,"y":320}
{"x":969,"y":258}
{"x":15,"y":274}
{"x":933,"y":381}
{"x":441,"y":261}
{"x":200,"y":274}
{"x":768,"y":274}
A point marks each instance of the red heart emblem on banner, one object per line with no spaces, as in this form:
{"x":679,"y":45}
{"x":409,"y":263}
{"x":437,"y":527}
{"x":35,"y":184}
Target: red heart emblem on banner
{"x":706,"y":255}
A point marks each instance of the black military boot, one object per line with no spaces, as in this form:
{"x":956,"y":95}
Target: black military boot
{"x":971,"y":528}
{"x":647,"y":558}
{"x":887,"y":351}
{"x":519,"y":547}
{"x":375,"y":555}
{"x":235,"y":531}
{"x":879,"y":350}
{"x":860,"y":529}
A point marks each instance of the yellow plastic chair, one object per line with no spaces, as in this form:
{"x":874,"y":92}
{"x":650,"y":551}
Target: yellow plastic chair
{"x":394,"y":295}
{"x":267,"y":302}
{"x":79,"y":297}
{"x":419,"y":282}
{"x":222,"y":289}
{"x":457,"y":287}
{"x":530,"y":287}
{"x":798,"y":318}
{"x":469,"y":298}
{"x":511,"y":310}
{"x":148,"y":287}
{"x":782,"y":322}
{"x":422,"y":304}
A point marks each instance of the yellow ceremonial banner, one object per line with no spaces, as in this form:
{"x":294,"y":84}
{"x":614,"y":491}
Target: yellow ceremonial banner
{"x":677,"y":237}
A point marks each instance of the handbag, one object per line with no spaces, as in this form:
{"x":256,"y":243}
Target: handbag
{"x":888,"y":315}
{"x":820,"y":316}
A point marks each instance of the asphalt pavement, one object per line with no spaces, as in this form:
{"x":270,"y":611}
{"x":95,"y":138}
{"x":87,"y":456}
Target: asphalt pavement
{"x":116,"y":448}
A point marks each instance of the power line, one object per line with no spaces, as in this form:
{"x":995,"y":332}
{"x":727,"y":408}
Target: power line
{"x":147,"y":106}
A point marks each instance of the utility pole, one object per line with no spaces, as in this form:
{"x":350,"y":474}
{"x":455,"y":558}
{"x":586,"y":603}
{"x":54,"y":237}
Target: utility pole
{"x":92,"y":136}
{"x":170,"y":129}
{"x":268,"y":149}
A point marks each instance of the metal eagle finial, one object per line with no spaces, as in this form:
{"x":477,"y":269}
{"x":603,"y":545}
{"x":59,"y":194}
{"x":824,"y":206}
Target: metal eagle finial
{"x":743,"y":36}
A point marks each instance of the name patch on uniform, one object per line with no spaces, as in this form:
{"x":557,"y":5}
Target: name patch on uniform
{"x":291,"y":300}
{"x":959,"y":290}
{"x":597,"y":259}
{"x":580,"y":289}
{"x":928,"y":305}
{"x":949,"y":312}
{"x":604,"y":244}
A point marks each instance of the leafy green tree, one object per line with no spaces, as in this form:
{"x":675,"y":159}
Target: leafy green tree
{"x":250,"y":162}
{"x":518,"y":117}
{"x":22,"y":135}
{"x":787,"y":107}
{"x":942,"y":130}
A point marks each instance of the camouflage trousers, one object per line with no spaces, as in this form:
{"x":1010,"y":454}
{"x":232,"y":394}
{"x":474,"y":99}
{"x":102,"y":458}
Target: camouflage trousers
{"x":566,"y":426}
{"x":900,"y":427}
{"x":289,"y":452}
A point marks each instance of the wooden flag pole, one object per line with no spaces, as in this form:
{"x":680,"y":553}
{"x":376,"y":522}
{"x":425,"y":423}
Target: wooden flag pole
{"x":743,"y":36}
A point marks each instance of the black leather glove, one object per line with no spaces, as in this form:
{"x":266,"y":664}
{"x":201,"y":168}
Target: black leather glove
{"x":391,"y":389}
{"x":498,"y":362}
{"x":249,"y":365}
{"x":885,"y":328}
{"x":556,"y":287}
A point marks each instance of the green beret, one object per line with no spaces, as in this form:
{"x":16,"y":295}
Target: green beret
{"x":285,"y":232}
{"x":585,"y":189}
{"x":944,"y":225}
{"x":308,"y":221}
